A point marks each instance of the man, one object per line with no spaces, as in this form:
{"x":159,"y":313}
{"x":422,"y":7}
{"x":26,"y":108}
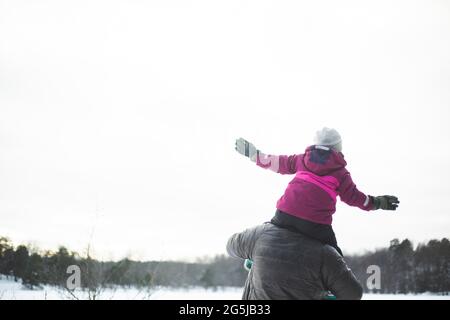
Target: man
{"x":288,"y":265}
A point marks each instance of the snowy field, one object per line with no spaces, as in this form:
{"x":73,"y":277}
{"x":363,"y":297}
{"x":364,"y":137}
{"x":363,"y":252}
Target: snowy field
{"x":10,"y":290}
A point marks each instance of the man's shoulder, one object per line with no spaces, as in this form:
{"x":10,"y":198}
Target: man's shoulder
{"x":330,"y":252}
{"x":256,"y":231}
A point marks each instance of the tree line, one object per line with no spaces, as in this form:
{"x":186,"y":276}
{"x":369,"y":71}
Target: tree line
{"x":34,"y":268}
{"x":404,"y":269}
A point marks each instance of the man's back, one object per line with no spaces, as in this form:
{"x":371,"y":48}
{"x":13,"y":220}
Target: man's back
{"x":289,"y":265}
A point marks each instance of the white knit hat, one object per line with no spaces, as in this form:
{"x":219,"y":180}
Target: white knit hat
{"x":329,"y":138}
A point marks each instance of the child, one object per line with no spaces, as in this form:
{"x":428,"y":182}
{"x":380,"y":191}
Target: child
{"x":309,"y":201}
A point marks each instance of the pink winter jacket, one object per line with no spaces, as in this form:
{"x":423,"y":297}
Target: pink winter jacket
{"x":320,"y":176}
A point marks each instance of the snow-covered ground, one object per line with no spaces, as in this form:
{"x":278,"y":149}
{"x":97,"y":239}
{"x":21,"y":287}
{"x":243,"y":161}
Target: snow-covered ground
{"x":10,"y":290}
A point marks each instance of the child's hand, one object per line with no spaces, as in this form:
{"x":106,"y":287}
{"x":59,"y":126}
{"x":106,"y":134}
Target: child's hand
{"x":246,"y":148}
{"x":385,"y":202}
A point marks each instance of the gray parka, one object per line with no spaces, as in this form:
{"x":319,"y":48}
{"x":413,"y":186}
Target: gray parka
{"x":288,"y":265}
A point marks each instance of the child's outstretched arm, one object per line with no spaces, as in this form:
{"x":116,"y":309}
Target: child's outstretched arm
{"x":349,"y":193}
{"x":278,"y":164}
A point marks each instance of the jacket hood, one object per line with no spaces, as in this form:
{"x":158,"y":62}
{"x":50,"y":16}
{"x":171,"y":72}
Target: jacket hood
{"x":322,"y":160}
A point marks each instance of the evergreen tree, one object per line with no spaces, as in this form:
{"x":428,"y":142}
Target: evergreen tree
{"x":20,"y":262}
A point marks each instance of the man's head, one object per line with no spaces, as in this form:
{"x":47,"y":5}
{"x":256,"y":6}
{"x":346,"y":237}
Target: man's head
{"x":329,"y":138}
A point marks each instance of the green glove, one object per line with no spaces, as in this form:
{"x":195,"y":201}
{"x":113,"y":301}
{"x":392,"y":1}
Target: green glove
{"x":248,"y":264}
{"x":246,"y":148}
{"x":385,"y":202}
{"x":330,"y":296}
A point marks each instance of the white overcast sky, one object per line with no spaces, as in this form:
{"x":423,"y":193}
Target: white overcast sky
{"x":118,"y":118}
